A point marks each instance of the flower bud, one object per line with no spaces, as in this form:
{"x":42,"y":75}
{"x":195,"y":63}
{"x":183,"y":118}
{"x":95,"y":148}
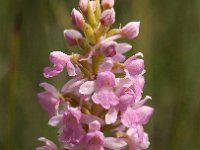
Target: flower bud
{"x":107,"y":4}
{"x":77,"y":18}
{"x":83,"y":5}
{"x":131,"y":30}
{"x":72,"y":36}
{"x":108,"y":17}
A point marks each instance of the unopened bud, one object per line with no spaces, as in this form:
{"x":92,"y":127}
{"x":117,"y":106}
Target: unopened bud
{"x":107,"y":4}
{"x":83,"y":5}
{"x":77,"y":18}
{"x":72,"y":36}
{"x":108,"y":17}
{"x":131,"y":30}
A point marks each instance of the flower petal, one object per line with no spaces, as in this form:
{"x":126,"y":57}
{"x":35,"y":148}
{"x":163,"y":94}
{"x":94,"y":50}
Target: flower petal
{"x":115,"y":143}
{"x":144,"y":113}
{"x":129,"y":118}
{"x":73,"y":83}
{"x":86,"y":119}
{"x":71,"y":70}
{"x":123,"y":48}
{"x":111,"y":116}
{"x":51,"y":72}
{"x":55,"y":120}
{"x":50,"y":88}
{"x":60,"y":60}
{"x":87,"y":88}
{"x":48,"y":102}
{"x":49,"y":145}
{"x":106,"y":66}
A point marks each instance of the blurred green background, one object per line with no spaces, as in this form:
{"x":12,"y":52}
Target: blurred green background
{"x":169,"y":38}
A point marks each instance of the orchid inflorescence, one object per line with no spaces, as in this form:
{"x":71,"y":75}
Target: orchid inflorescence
{"x":101,"y":106}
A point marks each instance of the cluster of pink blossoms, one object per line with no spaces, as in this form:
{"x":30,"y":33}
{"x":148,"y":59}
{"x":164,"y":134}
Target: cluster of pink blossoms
{"x":101,"y":106}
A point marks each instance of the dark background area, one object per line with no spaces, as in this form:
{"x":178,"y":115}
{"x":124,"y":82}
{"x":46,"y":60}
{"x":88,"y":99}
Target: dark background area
{"x":169,"y":38}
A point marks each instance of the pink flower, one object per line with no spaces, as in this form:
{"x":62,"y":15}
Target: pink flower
{"x":104,"y":94}
{"x":60,"y":61}
{"x":95,"y":138}
{"x":131,"y":30}
{"x":102,"y":89}
{"x":49,"y":100}
{"x":49,"y":145}
{"x":72,"y":131}
{"x":126,"y":98}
